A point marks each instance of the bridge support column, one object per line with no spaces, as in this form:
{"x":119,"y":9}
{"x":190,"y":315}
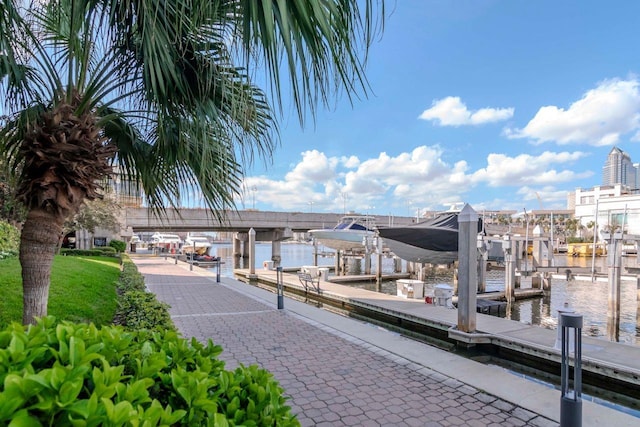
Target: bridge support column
{"x":276,"y":254}
{"x":252,"y":251}
{"x":237,"y":246}
{"x":246,"y":247}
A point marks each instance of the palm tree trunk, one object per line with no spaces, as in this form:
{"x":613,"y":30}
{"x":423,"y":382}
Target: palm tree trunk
{"x":37,"y":247}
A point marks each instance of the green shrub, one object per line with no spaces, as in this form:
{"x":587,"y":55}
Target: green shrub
{"x":142,"y":310}
{"x":118,"y":245}
{"x":130,"y":278}
{"x":137,"y":308}
{"x":578,"y":240}
{"x":9,"y":240}
{"x":67,"y":374}
{"x":102,"y":251}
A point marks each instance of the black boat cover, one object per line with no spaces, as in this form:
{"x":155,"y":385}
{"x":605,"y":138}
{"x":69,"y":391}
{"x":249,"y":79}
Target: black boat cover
{"x":439,"y":233}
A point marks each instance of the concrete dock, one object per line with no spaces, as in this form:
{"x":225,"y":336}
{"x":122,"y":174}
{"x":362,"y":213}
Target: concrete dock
{"x":339,"y":371}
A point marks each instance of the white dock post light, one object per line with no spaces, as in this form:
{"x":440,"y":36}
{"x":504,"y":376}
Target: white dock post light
{"x":571,"y":399}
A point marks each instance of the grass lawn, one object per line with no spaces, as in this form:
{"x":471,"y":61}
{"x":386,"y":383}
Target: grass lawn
{"x":82,"y":289}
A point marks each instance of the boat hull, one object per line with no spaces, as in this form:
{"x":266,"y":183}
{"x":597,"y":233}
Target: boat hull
{"x":412,"y":253}
{"x":342,"y":240}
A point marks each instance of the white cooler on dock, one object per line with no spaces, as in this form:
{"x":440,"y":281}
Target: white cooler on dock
{"x":408,"y":288}
{"x":267,"y":265}
{"x":311,"y":269}
{"x":442,"y":295}
{"x":324,"y":273}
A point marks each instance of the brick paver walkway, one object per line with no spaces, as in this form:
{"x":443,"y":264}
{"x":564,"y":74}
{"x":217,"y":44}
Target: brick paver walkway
{"x":332,"y":379}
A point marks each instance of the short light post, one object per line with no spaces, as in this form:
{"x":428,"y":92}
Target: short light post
{"x":280,"y":288}
{"x":571,"y":399}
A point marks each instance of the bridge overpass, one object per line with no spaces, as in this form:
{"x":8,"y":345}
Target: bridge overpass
{"x":199,"y":219}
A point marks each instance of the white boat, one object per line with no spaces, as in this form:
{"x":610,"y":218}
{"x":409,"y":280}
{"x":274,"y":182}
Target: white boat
{"x":198,"y":244}
{"x":165,"y":241}
{"x":348,"y":235}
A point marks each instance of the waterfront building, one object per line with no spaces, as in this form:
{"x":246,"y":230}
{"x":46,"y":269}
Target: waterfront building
{"x":616,"y":205}
{"x":618,"y":169}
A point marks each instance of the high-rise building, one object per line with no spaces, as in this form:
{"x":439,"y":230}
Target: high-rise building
{"x":618,"y":169}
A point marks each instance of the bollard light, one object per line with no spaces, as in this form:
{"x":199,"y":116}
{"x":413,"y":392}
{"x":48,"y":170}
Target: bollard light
{"x":279,"y":288}
{"x":218,"y":262}
{"x":571,"y":398}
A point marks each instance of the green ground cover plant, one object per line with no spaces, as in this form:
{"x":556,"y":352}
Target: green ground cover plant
{"x":82,"y":289}
{"x":66,"y":374}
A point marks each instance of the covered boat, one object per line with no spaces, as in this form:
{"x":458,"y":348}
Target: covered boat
{"x":348,"y":235}
{"x":434,"y":240}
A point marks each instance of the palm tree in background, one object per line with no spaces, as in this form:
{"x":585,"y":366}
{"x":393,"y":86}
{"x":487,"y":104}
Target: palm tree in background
{"x":164,"y":90}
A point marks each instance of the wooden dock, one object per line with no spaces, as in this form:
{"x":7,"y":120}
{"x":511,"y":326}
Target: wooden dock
{"x":604,"y":362}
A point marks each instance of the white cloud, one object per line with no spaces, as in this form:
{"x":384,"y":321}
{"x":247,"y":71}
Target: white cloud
{"x":502,"y":170}
{"x":315,"y":167}
{"x":599,"y":118}
{"x":451,"y":111}
{"x":419,"y":179}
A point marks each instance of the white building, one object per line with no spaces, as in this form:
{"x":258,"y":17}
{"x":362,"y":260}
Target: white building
{"x":616,"y":206}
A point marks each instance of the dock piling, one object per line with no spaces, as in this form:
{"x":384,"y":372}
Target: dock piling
{"x":468,"y":268}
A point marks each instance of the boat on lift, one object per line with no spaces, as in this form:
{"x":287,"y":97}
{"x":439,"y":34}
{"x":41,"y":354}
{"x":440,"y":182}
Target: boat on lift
{"x":433,"y":241}
{"x":350,"y":234}
{"x":200,"y":245}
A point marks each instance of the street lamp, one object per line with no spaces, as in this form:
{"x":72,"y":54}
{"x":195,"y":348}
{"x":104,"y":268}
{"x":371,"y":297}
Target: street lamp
{"x":253,"y":192}
{"x":344,"y":203}
{"x":311,"y":207}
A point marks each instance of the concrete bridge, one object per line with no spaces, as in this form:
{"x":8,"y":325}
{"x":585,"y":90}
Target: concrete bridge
{"x":269,"y":226}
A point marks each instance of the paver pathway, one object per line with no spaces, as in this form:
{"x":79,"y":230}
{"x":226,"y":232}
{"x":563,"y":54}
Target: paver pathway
{"x":332,"y":378}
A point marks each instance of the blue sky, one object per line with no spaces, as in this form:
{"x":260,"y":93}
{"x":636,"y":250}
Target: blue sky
{"x":500,"y":104}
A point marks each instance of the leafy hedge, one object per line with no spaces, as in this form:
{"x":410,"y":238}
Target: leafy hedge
{"x":9,"y":240}
{"x":118,"y":245}
{"x":98,"y":251}
{"x":137,"y":308}
{"x":67,"y":374}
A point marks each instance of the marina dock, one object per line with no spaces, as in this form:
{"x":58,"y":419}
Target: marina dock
{"x":604,"y":362}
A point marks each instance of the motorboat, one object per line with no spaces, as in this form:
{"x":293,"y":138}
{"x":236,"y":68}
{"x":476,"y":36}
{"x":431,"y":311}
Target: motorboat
{"x":200,"y":245}
{"x":350,"y":234}
{"x":433,"y":241}
{"x":165,"y":241}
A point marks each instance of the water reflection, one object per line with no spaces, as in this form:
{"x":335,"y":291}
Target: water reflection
{"x":589,"y":298}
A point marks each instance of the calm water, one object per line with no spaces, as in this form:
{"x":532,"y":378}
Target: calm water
{"x":585,"y":297}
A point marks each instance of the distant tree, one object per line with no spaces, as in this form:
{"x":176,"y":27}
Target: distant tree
{"x":93,"y":214}
{"x":10,"y":209}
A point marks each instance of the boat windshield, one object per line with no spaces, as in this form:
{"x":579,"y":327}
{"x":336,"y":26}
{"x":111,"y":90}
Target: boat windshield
{"x":353,"y":223}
